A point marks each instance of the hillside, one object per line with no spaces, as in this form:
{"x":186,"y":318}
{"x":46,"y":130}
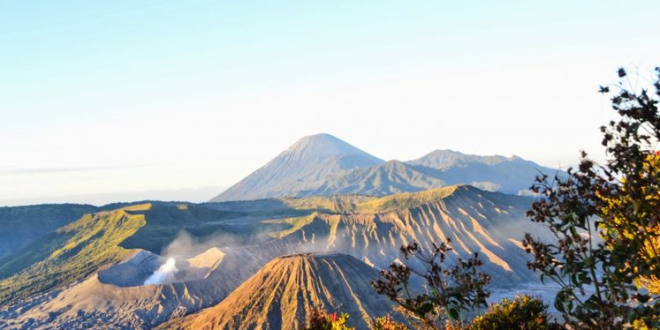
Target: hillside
{"x":308,"y":160}
{"x":23,"y":225}
{"x":491,"y":224}
{"x":282,"y":294}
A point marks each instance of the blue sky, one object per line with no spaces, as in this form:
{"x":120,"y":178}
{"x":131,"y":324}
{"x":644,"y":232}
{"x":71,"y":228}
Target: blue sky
{"x":118,"y":99}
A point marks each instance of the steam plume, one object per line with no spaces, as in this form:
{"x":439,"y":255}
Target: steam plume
{"x":165,"y":272}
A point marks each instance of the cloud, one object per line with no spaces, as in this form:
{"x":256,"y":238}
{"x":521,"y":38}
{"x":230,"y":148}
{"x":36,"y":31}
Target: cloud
{"x":28,"y":171}
{"x":194,"y":195}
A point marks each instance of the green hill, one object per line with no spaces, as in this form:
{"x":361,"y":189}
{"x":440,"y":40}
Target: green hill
{"x":23,"y":225}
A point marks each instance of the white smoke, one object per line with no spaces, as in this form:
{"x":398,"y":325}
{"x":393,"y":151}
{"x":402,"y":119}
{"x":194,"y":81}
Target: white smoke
{"x":164,"y":273}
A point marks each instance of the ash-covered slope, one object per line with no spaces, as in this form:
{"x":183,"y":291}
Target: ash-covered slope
{"x":284,"y":292}
{"x":308,"y":160}
{"x":117,"y":298}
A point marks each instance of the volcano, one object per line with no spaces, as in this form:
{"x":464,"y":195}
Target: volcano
{"x":284,"y":292}
{"x":308,"y":160}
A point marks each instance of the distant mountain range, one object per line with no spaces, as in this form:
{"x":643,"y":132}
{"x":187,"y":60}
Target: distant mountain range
{"x":325,"y":165}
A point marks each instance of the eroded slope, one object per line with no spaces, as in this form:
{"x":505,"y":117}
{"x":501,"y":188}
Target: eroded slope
{"x":283,"y":293}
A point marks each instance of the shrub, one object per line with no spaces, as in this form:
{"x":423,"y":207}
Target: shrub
{"x":523,"y":312}
{"x":606,"y":221}
{"x":321,"y":320}
{"x":450,"y":290}
{"x":387,"y":323}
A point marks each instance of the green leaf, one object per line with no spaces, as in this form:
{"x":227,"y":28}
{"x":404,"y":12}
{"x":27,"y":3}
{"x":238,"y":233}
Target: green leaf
{"x":453,"y":312}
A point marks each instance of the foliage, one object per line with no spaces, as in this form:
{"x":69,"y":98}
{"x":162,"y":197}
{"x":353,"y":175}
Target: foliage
{"x":387,"y":323}
{"x":523,"y":312}
{"x":320,"y":320}
{"x":606,"y":220}
{"x":450,"y":290}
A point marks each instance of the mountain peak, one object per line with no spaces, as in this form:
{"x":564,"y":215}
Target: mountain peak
{"x":316,"y":138}
{"x":319,"y":137}
{"x":309,"y":159}
{"x":322,"y":145}
{"x":445,"y":152}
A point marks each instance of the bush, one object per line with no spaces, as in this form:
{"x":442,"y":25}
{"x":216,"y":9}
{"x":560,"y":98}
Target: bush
{"x":451,"y":291}
{"x":321,"y":320}
{"x":387,"y":323}
{"x":606,"y":221}
{"x":523,"y":312}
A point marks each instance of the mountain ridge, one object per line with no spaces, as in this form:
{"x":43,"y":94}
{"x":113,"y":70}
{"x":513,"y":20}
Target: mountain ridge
{"x":443,"y":159}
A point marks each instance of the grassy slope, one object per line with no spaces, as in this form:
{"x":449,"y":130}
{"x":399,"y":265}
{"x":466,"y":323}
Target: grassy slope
{"x":408,"y":200}
{"x":328,"y":204}
{"x":164,"y":223}
{"x":357,"y":204}
{"x":23,"y":225}
{"x":368,"y":204}
{"x":69,"y":254}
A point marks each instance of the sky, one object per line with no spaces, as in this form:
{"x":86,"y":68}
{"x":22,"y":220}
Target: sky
{"x":105,"y":101}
